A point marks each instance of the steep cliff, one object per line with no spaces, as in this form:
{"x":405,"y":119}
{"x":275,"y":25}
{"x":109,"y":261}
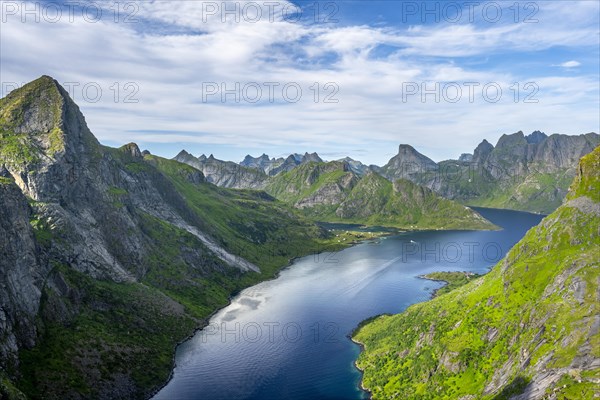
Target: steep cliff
{"x":225,"y":173}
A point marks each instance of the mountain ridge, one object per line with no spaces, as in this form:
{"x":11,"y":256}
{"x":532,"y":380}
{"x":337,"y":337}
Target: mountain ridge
{"x":525,"y":330}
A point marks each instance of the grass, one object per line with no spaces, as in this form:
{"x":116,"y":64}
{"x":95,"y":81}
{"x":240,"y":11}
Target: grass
{"x":17,"y":149}
{"x":106,"y":330}
{"x":486,"y":338}
{"x":453,"y":279}
{"x":371,"y":200}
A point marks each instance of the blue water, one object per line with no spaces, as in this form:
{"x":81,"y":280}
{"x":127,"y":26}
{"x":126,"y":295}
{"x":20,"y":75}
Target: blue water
{"x":288,"y":338}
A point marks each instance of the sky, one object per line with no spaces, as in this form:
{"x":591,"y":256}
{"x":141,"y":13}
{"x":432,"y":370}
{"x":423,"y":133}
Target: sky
{"x":342,"y":78}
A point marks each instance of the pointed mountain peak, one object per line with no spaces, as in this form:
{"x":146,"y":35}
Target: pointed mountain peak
{"x":515,"y":139}
{"x":46,"y":121}
{"x":482,"y":151}
{"x":535,"y":137}
{"x":34,"y":108}
{"x":407,"y":153}
{"x":211,"y":157}
{"x":182,"y":153}
{"x":405,"y":147}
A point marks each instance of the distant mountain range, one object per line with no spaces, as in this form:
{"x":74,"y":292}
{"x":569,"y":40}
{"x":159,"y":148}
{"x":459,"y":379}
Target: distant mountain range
{"x":529,"y":173}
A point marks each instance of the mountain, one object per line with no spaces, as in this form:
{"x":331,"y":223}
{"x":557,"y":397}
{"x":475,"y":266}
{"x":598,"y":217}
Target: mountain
{"x":110,"y":257}
{"x":355,"y":166}
{"x":224,"y":173}
{"x":465,"y":157}
{"x":263,"y":162}
{"x":407,"y":163}
{"x":332,"y":192}
{"x":529,"y":173}
{"x":274,"y":166}
{"x":529,"y":329}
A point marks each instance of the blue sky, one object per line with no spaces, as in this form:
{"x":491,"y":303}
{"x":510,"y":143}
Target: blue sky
{"x":361,"y":66}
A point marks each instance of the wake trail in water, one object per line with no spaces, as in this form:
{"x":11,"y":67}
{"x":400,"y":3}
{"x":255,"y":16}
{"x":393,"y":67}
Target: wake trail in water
{"x":362,"y":283}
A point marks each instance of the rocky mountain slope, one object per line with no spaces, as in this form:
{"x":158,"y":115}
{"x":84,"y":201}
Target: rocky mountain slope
{"x":529,"y":329}
{"x":530,"y":173}
{"x":332,"y":192}
{"x":224,"y":173}
{"x":110,"y":257}
{"x":275,"y":166}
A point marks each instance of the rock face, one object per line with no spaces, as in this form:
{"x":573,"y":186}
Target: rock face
{"x":274,"y":166}
{"x":527,"y":330}
{"x":118,"y":243}
{"x":465,"y":157}
{"x":21,"y":275}
{"x":407,"y":163}
{"x":482,"y":151}
{"x":529,"y":173}
{"x":225,"y":173}
{"x":357,"y":167}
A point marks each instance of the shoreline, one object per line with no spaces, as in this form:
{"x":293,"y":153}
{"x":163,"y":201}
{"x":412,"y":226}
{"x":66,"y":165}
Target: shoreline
{"x":205,"y":321}
{"x":362,"y":372}
{"x":370,"y":319}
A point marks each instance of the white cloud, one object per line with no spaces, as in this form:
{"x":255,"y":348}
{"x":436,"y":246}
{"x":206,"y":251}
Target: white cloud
{"x":570,"y":64}
{"x":170,"y":69}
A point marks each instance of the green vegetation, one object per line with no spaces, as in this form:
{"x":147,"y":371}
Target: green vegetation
{"x":102,"y":331}
{"x":95,"y":332}
{"x":42,"y":231}
{"x":490,"y":338}
{"x":535,"y":193}
{"x":8,"y":390}
{"x":248,"y":223}
{"x":453,"y":279}
{"x":586,"y":182}
{"x":307,"y":179}
{"x":18,"y":149}
{"x":328,"y":192}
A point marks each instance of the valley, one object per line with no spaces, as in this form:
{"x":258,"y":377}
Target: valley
{"x":113,"y":256}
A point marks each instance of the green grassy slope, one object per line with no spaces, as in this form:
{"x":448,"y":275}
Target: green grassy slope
{"x":453,"y":280}
{"x":530,"y":325}
{"x":330,"y":192}
{"x":403,"y":204}
{"x":306,"y":179}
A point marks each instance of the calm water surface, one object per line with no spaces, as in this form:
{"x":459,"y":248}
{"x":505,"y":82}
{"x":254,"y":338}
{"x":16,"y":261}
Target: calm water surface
{"x":288,"y":338}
